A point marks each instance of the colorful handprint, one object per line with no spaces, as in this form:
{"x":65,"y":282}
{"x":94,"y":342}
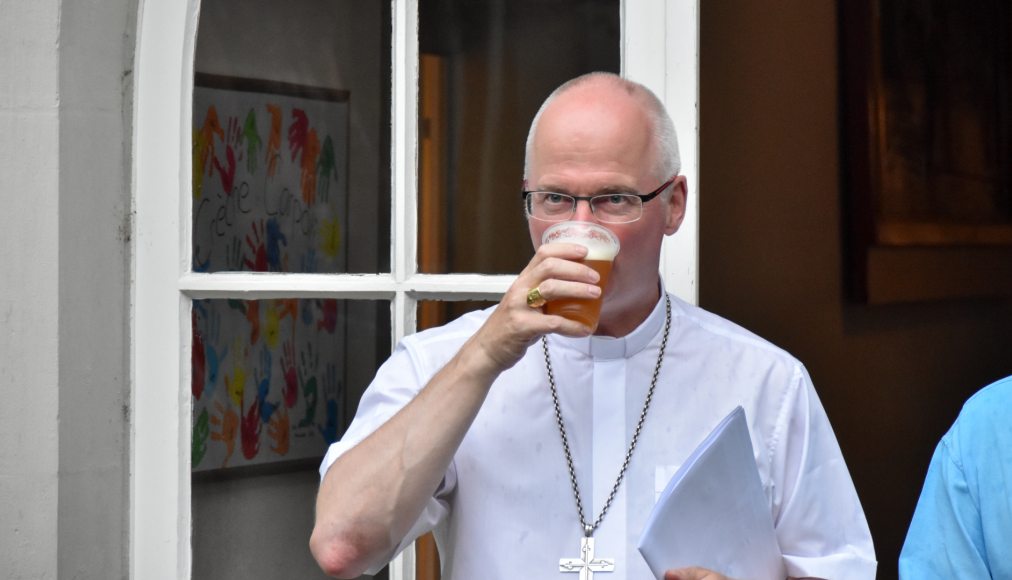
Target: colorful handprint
{"x":328,"y":320}
{"x":227,"y":422}
{"x":250,"y":431}
{"x":255,"y":244}
{"x":235,"y":384}
{"x":252,"y":138}
{"x":262,"y":377}
{"x":327,"y":167}
{"x":331,"y":388}
{"x":198,"y":365}
{"x":213,"y":358}
{"x":226,"y":172}
{"x":290,"y":392}
{"x":279,"y":430}
{"x":198,"y":444}
{"x":308,"y":367}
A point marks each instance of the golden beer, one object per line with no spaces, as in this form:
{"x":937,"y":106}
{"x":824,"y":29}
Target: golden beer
{"x":585,"y":310}
{"x":602,"y":246}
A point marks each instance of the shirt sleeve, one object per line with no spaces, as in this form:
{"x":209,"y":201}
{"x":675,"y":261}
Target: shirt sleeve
{"x":945,"y":539}
{"x":820,"y":523}
{"x":397,"y":381}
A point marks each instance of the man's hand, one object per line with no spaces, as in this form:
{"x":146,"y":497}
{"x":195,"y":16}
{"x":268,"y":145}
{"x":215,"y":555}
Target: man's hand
{"x":693,"y":573}
{"x":514,"y":326}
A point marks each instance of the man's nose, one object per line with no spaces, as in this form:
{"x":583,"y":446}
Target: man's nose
{"x":583,"y":213}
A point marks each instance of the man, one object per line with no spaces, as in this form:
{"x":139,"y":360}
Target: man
{"x":963,"y":522}
{"x":467,"y":431}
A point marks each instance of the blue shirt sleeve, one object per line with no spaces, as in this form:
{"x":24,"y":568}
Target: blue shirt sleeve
{"x":945,"y":539}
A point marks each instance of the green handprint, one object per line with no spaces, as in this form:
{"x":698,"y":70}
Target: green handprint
{"x":201,"y":431}
{"x":253,"y":141}
{"x":308,"y":366}
{"x":327,"y":169}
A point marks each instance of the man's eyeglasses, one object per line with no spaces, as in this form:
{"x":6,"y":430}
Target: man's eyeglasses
{"x":609,"y":208}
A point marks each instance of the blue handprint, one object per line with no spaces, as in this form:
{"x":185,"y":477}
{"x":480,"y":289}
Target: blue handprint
{"x":331,"y":387}
{"x":274,"y":240}
{"x":263,"y":382}
{"x":212,"y":356}
{"x":308,"y":261}
{"x":308,"y":366}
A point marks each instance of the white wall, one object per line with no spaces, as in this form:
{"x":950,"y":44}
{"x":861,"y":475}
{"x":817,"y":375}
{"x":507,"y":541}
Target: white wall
{"x":64,"y":133}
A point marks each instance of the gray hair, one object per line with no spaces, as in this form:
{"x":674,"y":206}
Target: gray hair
{"x":666,"y":140}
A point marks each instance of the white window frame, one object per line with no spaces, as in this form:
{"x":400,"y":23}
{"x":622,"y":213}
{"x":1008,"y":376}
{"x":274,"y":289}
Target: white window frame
{"x":659,"y":49}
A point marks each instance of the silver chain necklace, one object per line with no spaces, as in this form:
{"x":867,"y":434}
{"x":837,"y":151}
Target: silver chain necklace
{"x":586,"y":565}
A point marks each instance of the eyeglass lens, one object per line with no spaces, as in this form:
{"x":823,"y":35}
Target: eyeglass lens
{"x":615,"y":208}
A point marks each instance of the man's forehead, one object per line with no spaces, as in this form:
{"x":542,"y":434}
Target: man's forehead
{"x":584,"y":180}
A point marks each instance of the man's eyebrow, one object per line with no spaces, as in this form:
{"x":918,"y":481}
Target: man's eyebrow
{"x":604,"y":190}
{"x":609,"y":189}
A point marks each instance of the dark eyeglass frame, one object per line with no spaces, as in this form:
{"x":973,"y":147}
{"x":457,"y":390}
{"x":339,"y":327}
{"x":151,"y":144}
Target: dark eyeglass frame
{"x":644,"y":198}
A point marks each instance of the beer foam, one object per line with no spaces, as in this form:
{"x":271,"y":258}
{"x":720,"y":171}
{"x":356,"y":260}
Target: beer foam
{"x":598,"y":249}
{"x":601,"y":243}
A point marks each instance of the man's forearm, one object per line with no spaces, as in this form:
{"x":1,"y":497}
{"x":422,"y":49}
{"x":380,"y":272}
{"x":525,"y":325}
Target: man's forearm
{"x":371,"y":495}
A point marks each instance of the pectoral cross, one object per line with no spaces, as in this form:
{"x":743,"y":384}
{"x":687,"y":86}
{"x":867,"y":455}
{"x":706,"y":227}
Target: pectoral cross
{"x":586,"y":564}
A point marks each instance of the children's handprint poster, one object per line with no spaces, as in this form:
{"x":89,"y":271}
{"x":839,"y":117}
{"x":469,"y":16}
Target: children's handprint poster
{"x":270,"y":183}
{"x":270,"y":193}
{"x":268,"y":380}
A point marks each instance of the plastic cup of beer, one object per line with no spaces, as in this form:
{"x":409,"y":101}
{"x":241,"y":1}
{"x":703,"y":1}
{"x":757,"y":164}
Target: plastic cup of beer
{"x":602,"y":247}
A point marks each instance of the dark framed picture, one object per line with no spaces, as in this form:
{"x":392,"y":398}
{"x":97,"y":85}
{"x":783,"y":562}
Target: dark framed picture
{"x":927,"y":148}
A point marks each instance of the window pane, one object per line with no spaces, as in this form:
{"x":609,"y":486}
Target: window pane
{"x":279,"y":379}
{"x":291,"y":137}
{"x":273,"y":382}
{"x":485,"y":67}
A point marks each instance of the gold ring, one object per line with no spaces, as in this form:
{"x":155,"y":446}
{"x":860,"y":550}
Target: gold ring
{"x":535,"y":299}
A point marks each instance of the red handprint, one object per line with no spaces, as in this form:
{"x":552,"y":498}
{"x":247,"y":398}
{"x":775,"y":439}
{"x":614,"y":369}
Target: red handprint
{"x":329,"y":320}
{"x":310,"y":154}
{"x":227,"y":172}
{"x":297,"y":132}
{"x":199,"y":361}
{"x":258,"y":247}
{"x":253,"y":316}
{"x":288,"y":307}
{"x":251,"y":431}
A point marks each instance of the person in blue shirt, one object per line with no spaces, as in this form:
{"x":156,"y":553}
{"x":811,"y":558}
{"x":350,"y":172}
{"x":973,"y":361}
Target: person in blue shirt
{"x":962,"y":527}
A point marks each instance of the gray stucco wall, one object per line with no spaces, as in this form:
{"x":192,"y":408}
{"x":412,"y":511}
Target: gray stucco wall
{"x":64,"y":296}
{"x":29,"y":287}
{"x":96,"y":63}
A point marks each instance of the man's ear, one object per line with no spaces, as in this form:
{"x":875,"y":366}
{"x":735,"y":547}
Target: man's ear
{"x":676,"y":205}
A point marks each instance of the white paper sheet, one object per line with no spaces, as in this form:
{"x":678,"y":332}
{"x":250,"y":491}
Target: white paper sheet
{"x":713,"y":513}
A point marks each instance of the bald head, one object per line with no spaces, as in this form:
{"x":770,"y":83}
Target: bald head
{"x":608,"y":87}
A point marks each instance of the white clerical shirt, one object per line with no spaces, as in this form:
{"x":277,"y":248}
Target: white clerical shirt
{"x":505,"y":508}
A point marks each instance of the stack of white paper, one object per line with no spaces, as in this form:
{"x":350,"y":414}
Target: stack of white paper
{"x":713,"y":513}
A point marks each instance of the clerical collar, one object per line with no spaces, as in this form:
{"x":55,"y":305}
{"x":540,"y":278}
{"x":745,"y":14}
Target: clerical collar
{"x":607,"y":347}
